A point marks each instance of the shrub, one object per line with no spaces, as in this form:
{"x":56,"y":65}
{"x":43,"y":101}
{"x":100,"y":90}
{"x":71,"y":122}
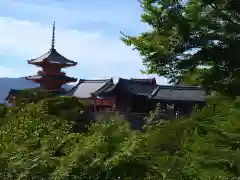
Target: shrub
{"x":33,"y":96}
{"x":36,"y":142}
{"x":3,"y":110}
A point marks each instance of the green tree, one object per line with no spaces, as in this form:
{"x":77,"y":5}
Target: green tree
{"x":195,"y":77}
{"x":190,"y":35}
{"x":37,"y":142}
{"x":212,"y":152}
{"x":37,"y":145}
{"x":33,"y":96}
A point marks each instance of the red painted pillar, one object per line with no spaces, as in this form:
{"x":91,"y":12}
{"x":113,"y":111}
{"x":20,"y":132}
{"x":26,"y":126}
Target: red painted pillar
{"x":94,"y":104}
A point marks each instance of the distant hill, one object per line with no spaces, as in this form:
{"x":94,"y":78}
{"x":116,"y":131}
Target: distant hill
{"x":17,"y":83}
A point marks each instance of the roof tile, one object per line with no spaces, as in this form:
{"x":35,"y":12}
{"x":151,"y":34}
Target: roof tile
{"x":85,"y":88}
{"x":179,"y":93}
{"x":54,"y":57}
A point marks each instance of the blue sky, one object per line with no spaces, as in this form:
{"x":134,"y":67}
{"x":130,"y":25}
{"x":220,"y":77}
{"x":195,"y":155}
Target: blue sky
{"x":86,"y":31}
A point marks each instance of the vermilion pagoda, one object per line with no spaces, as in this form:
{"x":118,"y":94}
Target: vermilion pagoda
{"x":51,"y":78}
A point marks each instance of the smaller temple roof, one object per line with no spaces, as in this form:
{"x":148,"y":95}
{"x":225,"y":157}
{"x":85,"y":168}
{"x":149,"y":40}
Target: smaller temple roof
{"x":12,"y":92}
{"x":179,"y":93}
{"x":52,"y":56}
{"x":85,"y":88}
{"x":131,"y":86}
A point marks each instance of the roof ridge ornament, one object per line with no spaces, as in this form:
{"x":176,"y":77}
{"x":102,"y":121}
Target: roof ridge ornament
{"x":53,"y":36}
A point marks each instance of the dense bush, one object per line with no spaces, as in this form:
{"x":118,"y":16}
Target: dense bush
{"x":69,"y":108}
{"x":37,"y":142}
{"x":33,"y":96}
{"x":213,"y":150}
{"x":65,"y":107}
{"x":3,"y":110}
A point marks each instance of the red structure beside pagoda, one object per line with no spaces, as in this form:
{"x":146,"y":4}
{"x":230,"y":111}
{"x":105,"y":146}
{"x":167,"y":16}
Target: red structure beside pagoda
{"x":51,"y":78}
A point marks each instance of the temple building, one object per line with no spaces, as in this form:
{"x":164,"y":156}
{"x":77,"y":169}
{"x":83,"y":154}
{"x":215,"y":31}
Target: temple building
{"x":142,"y":96}
{"x":85,"y":89}
{"x":130,"y":95}
{"x":183,"y":97}
{"x":11,"y":97}
{"x":137,"y":95}
{"x":51,"y":78}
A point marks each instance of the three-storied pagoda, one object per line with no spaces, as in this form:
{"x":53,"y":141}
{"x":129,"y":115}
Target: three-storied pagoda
{"x":51,"y":78}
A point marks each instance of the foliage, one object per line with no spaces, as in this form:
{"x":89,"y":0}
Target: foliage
{"x":68,"y":108}
{"x":64,"y":107}
{"x":38,"y":142}
{"x":3,"y":110}
{"x":37,"y":145}
{"x":187,"y":36}
{"x":26,"y":96}
{"x":194,"y":77}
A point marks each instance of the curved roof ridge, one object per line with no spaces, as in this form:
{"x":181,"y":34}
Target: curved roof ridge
{"x":142,"y":78}
{"x":154,"y":91}
{"x":132,"y":89}
{"x":184,"y":87}
{"x":39,"y":57}
{"x":144,"y":81}
{"x":104,"y":86}
{"x":74,"y":87}
{"x":96,"y":80}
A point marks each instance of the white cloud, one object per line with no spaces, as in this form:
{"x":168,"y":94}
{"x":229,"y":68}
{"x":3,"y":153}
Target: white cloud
{"x":29,"y":40}
{"x":7,"y":72}
{"x":106,"y":56}
{"x":128,"y":12}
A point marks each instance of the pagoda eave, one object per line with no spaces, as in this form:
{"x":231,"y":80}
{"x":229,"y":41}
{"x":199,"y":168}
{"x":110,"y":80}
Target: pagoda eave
{"x":47,"y":63}
{"x":41,"y":79}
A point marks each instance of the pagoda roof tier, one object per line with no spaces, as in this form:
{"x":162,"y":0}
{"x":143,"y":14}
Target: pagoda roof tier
{"x":51,"y":78}
{"x":52,"y":57}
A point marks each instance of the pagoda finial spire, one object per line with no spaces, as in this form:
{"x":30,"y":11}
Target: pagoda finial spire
{"x":53,"y":36}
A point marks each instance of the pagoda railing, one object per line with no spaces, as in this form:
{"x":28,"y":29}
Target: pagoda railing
{"x":51,"y":73}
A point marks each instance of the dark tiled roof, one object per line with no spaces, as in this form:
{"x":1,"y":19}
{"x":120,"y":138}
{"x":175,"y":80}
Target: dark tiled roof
{"x":12,"y":92}
{"x":182,"y":83}
{"x":179,"y":93}
{"x":145,"y":81}
{"x":53,"y":56}
{"x":85,"y":88}
{"x":51,"y":77}
{"x":130,"y":86}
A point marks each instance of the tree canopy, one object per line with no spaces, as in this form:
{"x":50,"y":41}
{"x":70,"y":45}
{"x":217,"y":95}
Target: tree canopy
{"x":190,"y":35}
{"x":38,"y":141}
